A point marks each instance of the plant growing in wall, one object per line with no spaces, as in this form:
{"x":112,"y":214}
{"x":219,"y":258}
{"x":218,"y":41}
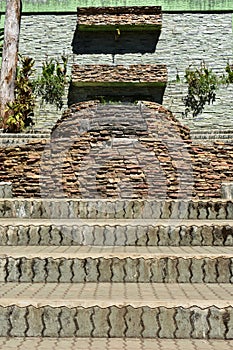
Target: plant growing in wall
{"x":229,"y":71}
{"x":202,"y":86}
{"x":20,"y":111}
{"x":50,"y":86}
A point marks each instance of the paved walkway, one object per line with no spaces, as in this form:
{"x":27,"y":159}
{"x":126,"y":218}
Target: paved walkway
{"x":119,"y":294}
{"x":112,"y":344}
{"x":120,"y":252}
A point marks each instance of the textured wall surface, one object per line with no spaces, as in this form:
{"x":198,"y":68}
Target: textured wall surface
{"x":117,"y":151}
{"x":70,"y":5}
{"x":118,"y":83}
{"x":186,"y":39}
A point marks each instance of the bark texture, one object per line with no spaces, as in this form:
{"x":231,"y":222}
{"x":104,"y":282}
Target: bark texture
{"x":9,"y":55}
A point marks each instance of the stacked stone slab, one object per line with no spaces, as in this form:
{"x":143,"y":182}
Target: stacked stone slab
{"x":118,"y":83}
{"x":90,"y":130}
{"x":117,"y":30}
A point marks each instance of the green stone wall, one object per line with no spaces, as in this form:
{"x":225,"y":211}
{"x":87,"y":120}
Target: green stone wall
{"x":187,"y":38}
{"x":167,"y":5}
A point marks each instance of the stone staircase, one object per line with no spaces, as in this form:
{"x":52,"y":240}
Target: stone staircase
{"x":108,"y":274}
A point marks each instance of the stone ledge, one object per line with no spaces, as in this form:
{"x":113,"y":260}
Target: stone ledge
{"x":117,"y":82}
{"x":129,"y":18}
{"x":107,"y":74}
{"x":117,"y":30}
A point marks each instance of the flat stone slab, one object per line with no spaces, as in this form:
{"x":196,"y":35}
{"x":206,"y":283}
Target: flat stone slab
{"x":39,"y":343}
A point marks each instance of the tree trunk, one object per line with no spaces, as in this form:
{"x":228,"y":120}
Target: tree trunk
{"x":9,"y":55}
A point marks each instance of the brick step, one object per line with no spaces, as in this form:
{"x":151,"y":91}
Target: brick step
{"x":116,"y":209}
{"x":122,"y":310}
{"x":116,"y":264}
{"x":110,"y":232}
{"x":38,"y":343}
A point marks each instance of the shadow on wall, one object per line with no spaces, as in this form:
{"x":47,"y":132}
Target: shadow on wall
{"x":117,"y":83}
{"x":124,"y":93}
{"x":114,"y":42}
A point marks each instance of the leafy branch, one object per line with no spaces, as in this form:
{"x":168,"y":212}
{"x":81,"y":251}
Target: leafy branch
{"x":229,"y":71}
{"x":202,"y":87}
{"x":203,"y":84}
{"x":20,"y":111}
{"x":50,"y":86}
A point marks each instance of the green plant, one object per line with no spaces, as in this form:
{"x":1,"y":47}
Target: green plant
{"x":229,"y":70}
{"x":20,"y":111}
{"x":50,"y":86}
{"x":202,"y":86}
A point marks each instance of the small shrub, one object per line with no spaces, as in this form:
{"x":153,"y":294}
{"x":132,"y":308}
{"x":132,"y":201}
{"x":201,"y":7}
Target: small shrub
{"x":20,"y":111}
{"x":50,"y":86}
{"x":202,"y":86}
{"x":229,"y":71}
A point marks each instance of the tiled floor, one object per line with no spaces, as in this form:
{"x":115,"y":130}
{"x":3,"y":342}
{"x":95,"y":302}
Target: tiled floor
{"x":119,"y":294}
{"x":120,"y":252}
{"x":112,"y":344}
{"x":112,"y":222}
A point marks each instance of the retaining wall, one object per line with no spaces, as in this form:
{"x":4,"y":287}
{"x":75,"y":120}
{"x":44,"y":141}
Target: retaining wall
{"x":117,"y":151}
{"x":186,"y":39}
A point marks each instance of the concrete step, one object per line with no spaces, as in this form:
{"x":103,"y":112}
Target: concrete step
{"x":116,"y":269}
{"x":119,"y":232}
{"x":125,"y":310}
{"x":38,"y":343}
{"x":116,"y":209}
{"x":116,"y":264}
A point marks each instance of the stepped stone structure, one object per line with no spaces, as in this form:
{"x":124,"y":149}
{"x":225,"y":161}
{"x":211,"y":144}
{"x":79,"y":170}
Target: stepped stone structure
{"x":117,"y":30}
{"x":192,"y":32}
{"x":118,"y":150}
{"x":118,"y":82}
{"x":117,"y":235}
{"x":117,"y":269}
